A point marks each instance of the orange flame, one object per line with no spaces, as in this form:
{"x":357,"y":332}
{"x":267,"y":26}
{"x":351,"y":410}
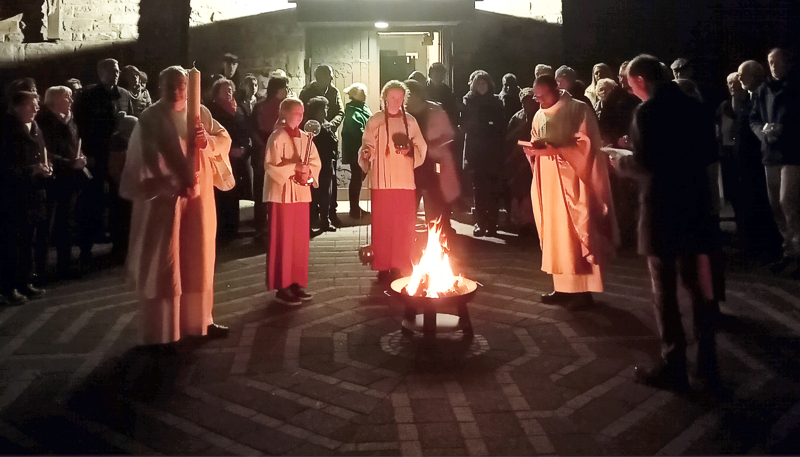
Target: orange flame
{"x":432,"y":276}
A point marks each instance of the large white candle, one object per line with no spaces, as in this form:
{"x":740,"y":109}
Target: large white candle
{"x":192,"y":113}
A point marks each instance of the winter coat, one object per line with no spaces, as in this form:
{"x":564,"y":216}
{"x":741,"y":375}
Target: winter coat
{"x":674,"y":143}
{"x":482,"y":122}
{"x":356,"y":115}
{"x":777,"y":102}
{"x":96,"y":111}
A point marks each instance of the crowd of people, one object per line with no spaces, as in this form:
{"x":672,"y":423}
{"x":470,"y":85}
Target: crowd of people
{"x":637,"y":158}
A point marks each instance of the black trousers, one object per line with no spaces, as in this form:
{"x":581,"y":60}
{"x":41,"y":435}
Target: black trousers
{"x":227,"y":203}
{"x":435,"y":206}
{"x":323,"y":198}
{"x":91,"y":207}
{"x":65,"y":228}
{"x":664,"y":277}
{"x":260,"y":212}
{"x":119,"y":220}
{"x":487,"y":189}
{"x":356,"y":182}
{"x":29,"y":236}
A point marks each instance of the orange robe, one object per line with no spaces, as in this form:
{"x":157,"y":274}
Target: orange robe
{"x":172,"y":243}
{"x":571,"y":198}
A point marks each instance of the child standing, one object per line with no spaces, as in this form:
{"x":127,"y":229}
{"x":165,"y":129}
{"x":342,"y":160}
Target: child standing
{"x":287,"y":262}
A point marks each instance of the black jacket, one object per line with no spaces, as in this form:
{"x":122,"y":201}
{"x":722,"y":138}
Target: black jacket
{"x":482,"y":120}
{"x":674,"y":143}
{"x":443,"y":95}
{"x":615,"y":114}
{"x":61,"y":139}
{"x":777,"y":102}
{"x":96,"y":111}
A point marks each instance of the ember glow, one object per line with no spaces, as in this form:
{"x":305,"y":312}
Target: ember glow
{"x":433,"y":277}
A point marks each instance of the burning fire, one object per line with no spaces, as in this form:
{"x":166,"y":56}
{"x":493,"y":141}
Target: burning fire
{"x":433,"y":277}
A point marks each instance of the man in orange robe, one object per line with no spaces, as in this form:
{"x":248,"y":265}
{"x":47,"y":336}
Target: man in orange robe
{"x":172,"y":248}
{"x":571,"y":195}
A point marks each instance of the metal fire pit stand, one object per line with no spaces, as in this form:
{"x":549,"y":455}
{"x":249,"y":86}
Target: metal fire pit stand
{"x":430,"y":321}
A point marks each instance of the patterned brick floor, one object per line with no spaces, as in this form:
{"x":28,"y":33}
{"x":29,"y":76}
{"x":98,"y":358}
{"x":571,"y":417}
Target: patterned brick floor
{"x":336,"y":377}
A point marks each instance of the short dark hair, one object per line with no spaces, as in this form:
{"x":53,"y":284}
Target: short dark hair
{"x":316,"y":103}
{"x":648,"y":67}
{"x":230,"y":58}
{"x":20,"y":97}
{"x":275,"y":84}
{"x":416,"y":88}
{"x":437,"y":66}
{"x":511,"y":77}
{"x":326,"y":68}
{"x":547,"y":81}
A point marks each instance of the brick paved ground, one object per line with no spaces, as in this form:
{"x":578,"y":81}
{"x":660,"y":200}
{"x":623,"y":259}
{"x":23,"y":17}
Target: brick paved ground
{"x":336,"y":377}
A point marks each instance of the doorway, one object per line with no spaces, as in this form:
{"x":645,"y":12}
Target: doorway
{"x":402,"y":53}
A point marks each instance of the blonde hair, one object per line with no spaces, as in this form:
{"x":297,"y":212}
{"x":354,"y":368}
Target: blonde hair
{"x":606,"y":84}
{"x":392,"y":85}
{"x":52,"y":94}
{"x":357,"y":91}
{"x":286,"y":105}
{"x":731,"y":77}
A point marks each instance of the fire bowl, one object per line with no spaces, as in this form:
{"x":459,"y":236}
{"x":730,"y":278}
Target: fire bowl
{"x":431,"y":320}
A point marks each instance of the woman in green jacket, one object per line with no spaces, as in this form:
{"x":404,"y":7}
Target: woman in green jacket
{"x":356,"y":115}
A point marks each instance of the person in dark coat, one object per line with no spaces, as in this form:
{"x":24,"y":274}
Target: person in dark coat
{"x":27,"y":174}
{"x":96,"y":113}
{"x":567,"y":80}
{"x":774,"y":120}
{"x":265,"y":115}
{"x":356,"y":115}
{"x":673,"y":143}
{"x":482,"y":122}
{"x":440,"y":92}
{"x":519,"y":173}
{"x":322,"y":86}
{"x":327,"y":146}
{"x":760,"y":234}
{"x":509,"y":95}
{"x":63,"y":144}
{"x":226,"y":111}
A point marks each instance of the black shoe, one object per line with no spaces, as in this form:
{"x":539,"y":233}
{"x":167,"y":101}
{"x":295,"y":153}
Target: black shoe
{"x":286,"y":297}
{"x":327,"y":228}
{"x":491,"y":231}
{"x":780,"y":265}
{"x":31,"y":292}
{"x":667,"y":376}
{"x":557,"y":297}
{"x":215,"y":331}
{"x":335,"y":221}
{"x":14,"y":298}
{"x":478,"y":232}
{"x":355,"y":214}
{"x":300,"y":292}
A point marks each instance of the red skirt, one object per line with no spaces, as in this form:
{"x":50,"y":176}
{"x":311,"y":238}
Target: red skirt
{"x":287,"y":257}
{"x":393,"y":221}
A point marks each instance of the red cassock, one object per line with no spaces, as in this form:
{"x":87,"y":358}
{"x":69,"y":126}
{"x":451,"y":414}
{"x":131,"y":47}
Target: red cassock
{"x":391,"y":175}
{"x":287,"y":256}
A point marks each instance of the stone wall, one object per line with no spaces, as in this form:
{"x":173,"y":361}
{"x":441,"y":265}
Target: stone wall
{"x":263,"y":42}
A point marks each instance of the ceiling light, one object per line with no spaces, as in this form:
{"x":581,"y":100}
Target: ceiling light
{"x":381,"y":25}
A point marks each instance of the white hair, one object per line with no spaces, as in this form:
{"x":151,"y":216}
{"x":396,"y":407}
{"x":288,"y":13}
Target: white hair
{"x":52,"y":94}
